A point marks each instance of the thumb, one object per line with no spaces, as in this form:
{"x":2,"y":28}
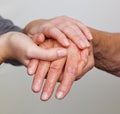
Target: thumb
{"x":47,"y":54}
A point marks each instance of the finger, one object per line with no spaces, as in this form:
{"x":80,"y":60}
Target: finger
{"x":86,"y":63}
{"x":81,"y":65}
{"x":88,"y":66}
{"x":31,"y":69}
{"x":41,"y":72}
{"x":84,"y":55}
{"x":52,"y":77}
{"x":74,"y":33}
{"x":42,"y":68}
{"x":53,"y":32}
{"x":46,"y":54}
{"x":84,"y":29}
{"x":69,"y":75}
{"x":38,"y":38}
{"x":67,"y":81}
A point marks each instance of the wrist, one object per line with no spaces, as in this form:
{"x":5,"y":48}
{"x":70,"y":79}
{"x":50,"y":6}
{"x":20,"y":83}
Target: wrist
{"x":3,"y":47}
{"x":106,"y":50}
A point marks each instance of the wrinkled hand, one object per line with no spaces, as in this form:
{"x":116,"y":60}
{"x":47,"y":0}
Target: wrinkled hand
{"x":66,"y":70}
{"x":61,"y":29}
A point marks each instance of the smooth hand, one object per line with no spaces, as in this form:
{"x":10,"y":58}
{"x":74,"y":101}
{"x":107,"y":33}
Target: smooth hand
{"x":16,"y":45}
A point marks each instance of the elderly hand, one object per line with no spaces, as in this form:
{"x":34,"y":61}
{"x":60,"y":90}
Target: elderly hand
{"x":61,"y":28}
{"x":65,"y":30}
{"x":66,"y":70}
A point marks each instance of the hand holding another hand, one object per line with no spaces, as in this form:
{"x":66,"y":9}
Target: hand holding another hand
{"x":65,"y":70}
{"x":18,"y":46}
{"x":61,"y":29}
{"x":72,"y":35}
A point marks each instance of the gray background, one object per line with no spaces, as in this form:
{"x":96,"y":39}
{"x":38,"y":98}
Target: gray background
{"x":96,"y":93}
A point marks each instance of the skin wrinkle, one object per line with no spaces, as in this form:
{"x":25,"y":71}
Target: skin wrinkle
{"x":70,"y":71}
{"x":72,"y":63}
{"x":103,"y":52}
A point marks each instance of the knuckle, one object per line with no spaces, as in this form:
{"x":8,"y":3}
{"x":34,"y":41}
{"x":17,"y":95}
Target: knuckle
{"x":50,"y":31}
{"x":47,"y":28}
{"x":72,"y":70}
{"x":89,"y":64}
{"x":46,"y":25}
{"x":63,"y":17}
{"x":69,"y":24}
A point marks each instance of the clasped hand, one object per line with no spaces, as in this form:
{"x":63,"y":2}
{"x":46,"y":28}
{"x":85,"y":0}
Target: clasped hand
{"x":57,"y":49}
{"x":53,"y":33}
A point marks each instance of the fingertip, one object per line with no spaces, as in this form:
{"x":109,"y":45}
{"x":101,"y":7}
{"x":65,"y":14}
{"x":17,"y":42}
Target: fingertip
{"x":88,"y":34}
{"x":35,"y":88}
{"x":30,"y":71}
{"x":90,"y":37}
{"x":41,"y":38}
{"x":61,"y":92}
{"x":59,"y":95}
{"x":44,"y":96}
{"x":83,"y":44}
{"x":32,"y":66}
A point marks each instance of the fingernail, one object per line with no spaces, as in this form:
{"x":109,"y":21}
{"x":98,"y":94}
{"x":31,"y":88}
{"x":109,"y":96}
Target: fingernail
{"x":30,"y":71}
{"x":87,"y":43}
{"x":44,"y":96}
{"x":59,"y":95}
{"x":66,"y":42}
{"x":36,"y":88}
{"x":90,"y":37}
{"x":82,"y":44}
{"x":61,"y":52}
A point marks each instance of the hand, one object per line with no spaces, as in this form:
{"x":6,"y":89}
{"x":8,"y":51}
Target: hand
{"x":61,"y":28}
{"x":15,"y":45}
{"x":77,"y":63}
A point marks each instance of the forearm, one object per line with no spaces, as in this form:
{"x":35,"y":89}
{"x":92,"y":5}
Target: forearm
{"x":106,"y":49}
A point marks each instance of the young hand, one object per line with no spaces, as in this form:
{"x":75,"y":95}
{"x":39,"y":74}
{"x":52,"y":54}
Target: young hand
{"x":16,"y":45}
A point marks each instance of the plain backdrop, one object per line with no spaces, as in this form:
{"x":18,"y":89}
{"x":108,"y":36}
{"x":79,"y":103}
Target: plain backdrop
{"x":96,"y":93}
